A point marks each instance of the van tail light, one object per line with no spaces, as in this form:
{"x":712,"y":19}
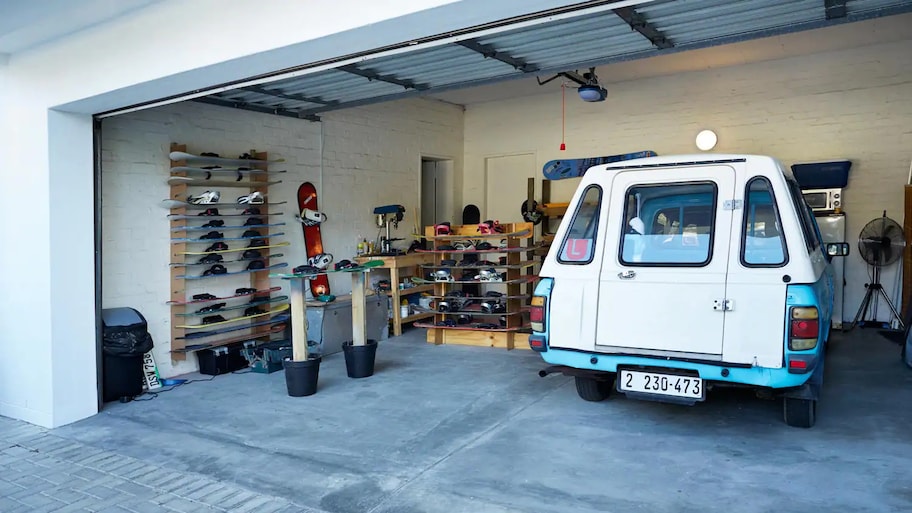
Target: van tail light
{"x":804,"y":328}
{"x":537,"y":313}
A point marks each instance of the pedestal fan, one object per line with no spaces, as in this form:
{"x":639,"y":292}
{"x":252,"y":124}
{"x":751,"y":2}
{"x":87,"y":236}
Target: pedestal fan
{"x":880,"y":243}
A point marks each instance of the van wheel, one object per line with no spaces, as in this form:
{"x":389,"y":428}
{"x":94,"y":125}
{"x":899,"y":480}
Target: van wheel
{"x":592,"y":389}
{"x":799,"y":412}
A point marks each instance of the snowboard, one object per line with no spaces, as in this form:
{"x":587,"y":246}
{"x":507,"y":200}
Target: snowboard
{"x":366,"y":265}
{"x":278,"y":309}
{"x":313,"y":241}
{"x":229,"y":273}
{"x":209,"y":171}
{"x":225,"y":262}
{"x":201,"y":215}
{"x":279,"y":245}
{"x":187,"y":240}
{"x":574,"y":168}
{"x":186,"y":180}
{"x":220,"y":228}
{"x":200,"y":159}
{"x":479,"y":312}
{"x":495,"y":265}
{"x":241,"y":306}
{"x":198,"y":301}
{"x":282,"y":317}
{"x":172,"y":203}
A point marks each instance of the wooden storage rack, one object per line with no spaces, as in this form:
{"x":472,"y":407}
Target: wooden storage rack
{"x":258,"y":279}
{"x":515,"y":333}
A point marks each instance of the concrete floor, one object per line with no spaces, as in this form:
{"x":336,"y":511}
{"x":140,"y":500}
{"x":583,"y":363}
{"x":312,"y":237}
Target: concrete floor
{"x":447,"y":429}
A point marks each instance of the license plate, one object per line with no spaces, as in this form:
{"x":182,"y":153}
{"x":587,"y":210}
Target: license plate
{"x":661,"y":384}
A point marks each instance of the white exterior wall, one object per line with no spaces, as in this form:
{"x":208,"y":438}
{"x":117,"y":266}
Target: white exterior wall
{"x":372,"y":157}
{"x":851,"y":104}
{"x":47,"y":335}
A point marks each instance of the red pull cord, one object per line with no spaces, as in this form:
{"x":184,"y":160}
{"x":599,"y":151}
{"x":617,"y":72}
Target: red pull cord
{"x":563,"y":145}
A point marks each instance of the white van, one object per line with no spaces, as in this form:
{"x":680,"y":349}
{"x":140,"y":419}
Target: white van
{"x":672,"y":275}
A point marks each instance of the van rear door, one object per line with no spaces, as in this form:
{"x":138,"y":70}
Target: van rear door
{"x":663,"y":277}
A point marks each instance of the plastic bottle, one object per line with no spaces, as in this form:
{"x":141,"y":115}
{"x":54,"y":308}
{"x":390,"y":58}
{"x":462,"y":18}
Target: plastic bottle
{"x":360,"y":248}
{"x":404,"y":308}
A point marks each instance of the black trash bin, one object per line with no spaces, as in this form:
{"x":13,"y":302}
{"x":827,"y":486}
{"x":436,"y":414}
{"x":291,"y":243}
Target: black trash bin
{"x":125,"y":339}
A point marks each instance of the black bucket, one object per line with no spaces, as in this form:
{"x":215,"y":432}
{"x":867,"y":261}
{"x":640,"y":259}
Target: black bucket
{"x":359,"y":360}
{"x":301,"y":376}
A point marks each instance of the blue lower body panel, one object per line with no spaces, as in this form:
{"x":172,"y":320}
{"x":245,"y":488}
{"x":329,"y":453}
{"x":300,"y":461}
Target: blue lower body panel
{"x":753,"y":376}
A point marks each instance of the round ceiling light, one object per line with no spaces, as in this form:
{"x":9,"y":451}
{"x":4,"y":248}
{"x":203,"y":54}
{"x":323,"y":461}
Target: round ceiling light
{"x":706,"y":140}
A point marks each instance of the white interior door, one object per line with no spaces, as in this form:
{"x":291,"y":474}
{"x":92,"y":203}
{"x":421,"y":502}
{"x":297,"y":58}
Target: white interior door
{"x":506,"y":186}
{"x":662,"y":290}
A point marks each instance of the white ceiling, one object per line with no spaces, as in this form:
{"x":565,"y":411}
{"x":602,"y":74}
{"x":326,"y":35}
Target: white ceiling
{"x":862,"y":33}
{"x":26,"y":24}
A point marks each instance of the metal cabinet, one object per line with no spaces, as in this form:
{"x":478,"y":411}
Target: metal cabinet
{"x":330,"y":324}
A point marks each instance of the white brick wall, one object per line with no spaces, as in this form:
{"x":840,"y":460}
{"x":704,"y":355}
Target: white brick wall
{"x":855,"y":103}
{"x":372,"y":156}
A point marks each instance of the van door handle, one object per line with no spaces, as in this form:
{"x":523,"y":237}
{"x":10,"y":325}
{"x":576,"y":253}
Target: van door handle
{"x":627,"y":275}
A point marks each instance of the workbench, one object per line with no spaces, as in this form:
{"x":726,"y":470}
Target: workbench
{"x":402,"y":266}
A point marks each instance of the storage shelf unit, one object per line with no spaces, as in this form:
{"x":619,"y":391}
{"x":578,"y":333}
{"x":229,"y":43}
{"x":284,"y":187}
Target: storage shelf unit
{"x":400,"y":267}
{"x":510,"y":257}
{"x":183,"y":265}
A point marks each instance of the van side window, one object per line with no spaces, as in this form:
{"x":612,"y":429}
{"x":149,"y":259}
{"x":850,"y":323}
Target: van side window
{"x":579,"y":243}
{"x":805,"y":218}
{"x":669,"y":225}
{"x":763,"y":244}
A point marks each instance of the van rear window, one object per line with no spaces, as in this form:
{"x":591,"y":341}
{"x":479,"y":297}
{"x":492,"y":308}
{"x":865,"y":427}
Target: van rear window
{"x":669,"y":224}
{"x":579,"y":243}
{"x":763,"y":244}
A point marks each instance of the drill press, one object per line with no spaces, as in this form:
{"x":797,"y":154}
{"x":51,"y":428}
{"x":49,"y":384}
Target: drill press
{"x":388,"y":215}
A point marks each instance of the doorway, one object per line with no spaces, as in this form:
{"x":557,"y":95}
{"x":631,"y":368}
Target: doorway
{"x":437,"y":191}
{"x":506,"y":186}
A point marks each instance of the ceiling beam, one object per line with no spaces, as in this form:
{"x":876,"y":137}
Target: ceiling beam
{"x":638,"y":22}
{"x":277,"y":111}
{"x":289,"y":96}
{"x":372,"y":75}
{"x":835,"y":9}
{"x":490,"y":52}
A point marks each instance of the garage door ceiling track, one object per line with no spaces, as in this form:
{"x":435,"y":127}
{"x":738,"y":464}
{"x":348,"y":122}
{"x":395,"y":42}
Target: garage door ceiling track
{"x":571,"y":38}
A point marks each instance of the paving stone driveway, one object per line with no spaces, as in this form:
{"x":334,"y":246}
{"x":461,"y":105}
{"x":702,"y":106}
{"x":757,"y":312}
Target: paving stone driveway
{"x":41,"y":472}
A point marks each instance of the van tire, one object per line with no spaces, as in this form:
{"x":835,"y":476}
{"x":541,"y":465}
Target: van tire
{"x":592,"y":389}
{"x":800,"y":413}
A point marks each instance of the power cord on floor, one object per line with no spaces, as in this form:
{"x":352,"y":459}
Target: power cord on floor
{"x":153,"y":395}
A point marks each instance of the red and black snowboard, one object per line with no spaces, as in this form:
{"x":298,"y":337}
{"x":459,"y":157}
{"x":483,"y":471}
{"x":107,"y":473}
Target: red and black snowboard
{"x":313,"y":242}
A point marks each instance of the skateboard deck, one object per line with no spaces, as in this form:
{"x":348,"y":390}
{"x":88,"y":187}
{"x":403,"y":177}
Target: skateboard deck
{"x":220,"y":228}
{"x":478,"y":312}
{"x":224,"y":262}
{"x":187,"y":240}
{"x":520,"y":233}
{"x":241,"y":306}
{"x":366,"y":265}
{"x":574,"y":168}
{"x":313,"y":240}
{"x":281,"y":318}
{"x":477,"y":251}
{"x":186,"y":180}
{"x":200,"y":159}
{"x":524,"y":279}
{"x":243,"y":271}
{"x":521,"y":265}
{"x":278,"y":309}
{"x":200,"y":301}
{"x":279,"y":245}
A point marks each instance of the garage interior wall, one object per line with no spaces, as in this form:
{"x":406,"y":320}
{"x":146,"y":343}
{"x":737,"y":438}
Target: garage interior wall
{"x":852,"y":104}
{"x":371,"y":157}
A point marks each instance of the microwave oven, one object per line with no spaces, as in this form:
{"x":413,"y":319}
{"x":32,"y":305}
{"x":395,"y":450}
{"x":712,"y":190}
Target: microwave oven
{"x":827,"y":200}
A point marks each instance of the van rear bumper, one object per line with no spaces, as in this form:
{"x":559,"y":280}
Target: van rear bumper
{"x":590,"y":363}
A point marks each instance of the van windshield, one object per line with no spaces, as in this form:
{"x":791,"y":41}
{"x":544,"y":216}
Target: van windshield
{"x":669,"y":224}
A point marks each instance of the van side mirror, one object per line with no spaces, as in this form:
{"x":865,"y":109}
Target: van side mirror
{"x":837,"y":249}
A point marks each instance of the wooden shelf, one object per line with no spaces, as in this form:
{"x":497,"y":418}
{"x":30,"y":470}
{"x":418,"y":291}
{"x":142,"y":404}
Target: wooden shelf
{"x":417,"y":316}
{"x":413,"y":290}
{"x":401,"y":267}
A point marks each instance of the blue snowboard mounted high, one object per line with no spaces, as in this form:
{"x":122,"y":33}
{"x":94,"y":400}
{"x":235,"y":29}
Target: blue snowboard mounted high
{"x":575,"y":168}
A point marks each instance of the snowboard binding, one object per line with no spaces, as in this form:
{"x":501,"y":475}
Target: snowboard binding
{"x":320,"y":261}
{"x":309,"y":217}
{"x":490,"y":227}
{"x":205,"y":198}
{"x":254,"y":198}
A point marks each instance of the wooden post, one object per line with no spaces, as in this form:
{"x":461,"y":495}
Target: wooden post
{"x":298,"y":320}
{"x":178,"y":287}
{"x":359,"y":319}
